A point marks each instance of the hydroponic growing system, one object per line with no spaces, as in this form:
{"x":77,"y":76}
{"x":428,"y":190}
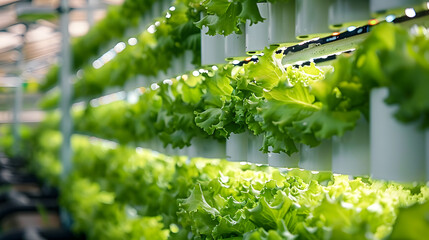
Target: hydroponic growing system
{"x":239,"y":119}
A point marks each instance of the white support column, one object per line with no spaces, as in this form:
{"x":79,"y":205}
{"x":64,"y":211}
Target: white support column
{"x":66,"y":124}
{"x":66,"y":90}
{"x":90,"y":11}
{"x":17,"y":106}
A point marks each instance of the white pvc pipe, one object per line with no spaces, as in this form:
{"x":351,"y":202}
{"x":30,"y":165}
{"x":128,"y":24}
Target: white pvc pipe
{"x":311,"y":18}
{"x":383,"y":7}
{"x":211,"y":48}
{"x":397,"y":150}
{"x":257,"y":34}
{"x":235,"y":45}
{"x":283,"y":160}
{"x":346,"y":13}
{"x":236,"y":147}
{"x":317,"y":158}
{"x":207,"y":148}
{"x":281,"y":22}
{"x":187,"y":61}
{"x":350,"y":153}
{"x":254,"y":155}
{"x":156,"y":9}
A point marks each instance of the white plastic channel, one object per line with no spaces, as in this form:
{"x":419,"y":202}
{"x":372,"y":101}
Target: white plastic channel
{"x":346,"y":13}
{"x":282,"y":159}
{"x":281,"y":22}
{"x":318,"y":158}
{"x":236,"y":147}
{"x":253,"y":154}
{"x":257,"y":34}
{"x":350,"y":153}
{"x":397,"y":150}
{"x":311,"y":18}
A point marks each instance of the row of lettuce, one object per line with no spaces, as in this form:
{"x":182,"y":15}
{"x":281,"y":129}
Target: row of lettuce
{"x":288,"y":106}
{"x":118,"y":192}
{"x":176,"y":30}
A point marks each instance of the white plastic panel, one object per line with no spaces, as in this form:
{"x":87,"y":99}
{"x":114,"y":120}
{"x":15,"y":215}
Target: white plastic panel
{"x":345,"y":13}
{"x":318,"y":158}
{"x":311,"y":18}
{"x":281,"y":22}
{"x":257,"y":34}
{"x":397,"y":150}
{"x":350,"y":153}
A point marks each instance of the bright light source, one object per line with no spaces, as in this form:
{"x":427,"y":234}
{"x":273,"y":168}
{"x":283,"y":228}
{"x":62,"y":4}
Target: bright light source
{"x":132,"y":97}
{"x":154,"y":86}
{"x":151,"y":29}
{"x":410,"y":12}
{"x":78,"y":28}
{"x":335,"y":33}
{"x":132,"y":41}
{"x":195,"y":73}
{"x":94,"y":103}
{"x":427,"y":5}
{"x":79,"y":73}
{"x":172,"y":8}
{"x":108,"y":56}
{"x":168,"y":15}
{"x":373,"y":21}
{"x":168,"y":81}
{"x":119,"y":47}
{"x":390,"y":18}
{"x":97,"y":64}
{"x":215,"y":68}
{"x":351,"y":28}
